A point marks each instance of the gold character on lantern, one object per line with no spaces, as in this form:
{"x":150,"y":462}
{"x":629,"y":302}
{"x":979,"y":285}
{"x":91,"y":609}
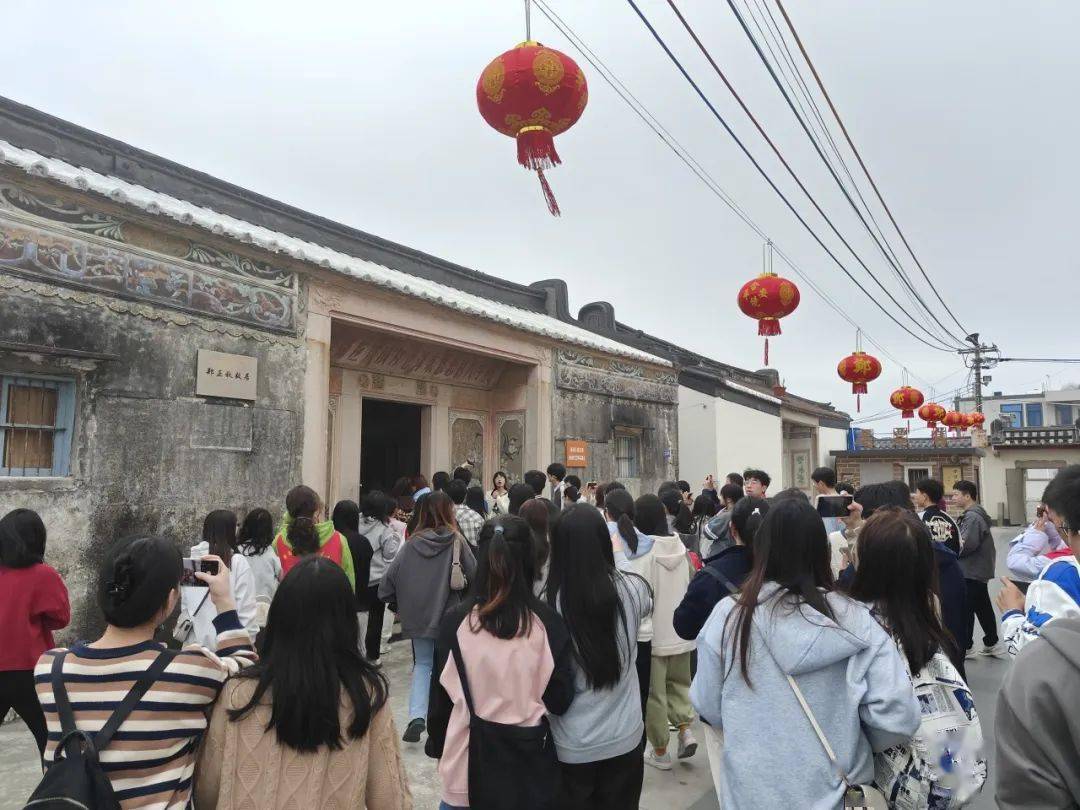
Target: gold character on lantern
{"x":548,"y":70}
{"x":492,"y":81}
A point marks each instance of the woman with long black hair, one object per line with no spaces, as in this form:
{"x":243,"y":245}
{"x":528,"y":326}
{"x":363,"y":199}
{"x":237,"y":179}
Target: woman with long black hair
{"x":788,"y":656}
{"x":218,"y":539}
{"x":309,"y":724}
{"x":255,"y":541}
{"x":516,"y":656}
{"x":600,"y":739}
{"x":897,"y":578}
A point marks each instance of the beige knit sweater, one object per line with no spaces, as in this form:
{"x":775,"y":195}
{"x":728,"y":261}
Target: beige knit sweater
{"x":242,"y":766}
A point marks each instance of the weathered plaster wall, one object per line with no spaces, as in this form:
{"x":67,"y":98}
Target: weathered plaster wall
{"x":594,"y":397}
{"x":146,"y":454}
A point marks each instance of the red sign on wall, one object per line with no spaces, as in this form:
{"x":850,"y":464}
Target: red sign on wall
{"x":577,"y":453}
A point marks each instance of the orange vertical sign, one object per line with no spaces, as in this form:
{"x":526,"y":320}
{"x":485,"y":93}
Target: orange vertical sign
{"x":577,"y":453}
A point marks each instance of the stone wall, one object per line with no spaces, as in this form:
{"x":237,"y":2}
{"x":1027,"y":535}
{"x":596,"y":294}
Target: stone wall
{"x":148,"y":456}
{"x":597,"y":398}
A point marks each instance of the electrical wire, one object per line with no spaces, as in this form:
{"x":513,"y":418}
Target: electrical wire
{"x":776,"y":188}
{"x":862,"y":164}
{"x":897,"y":270}
{"x":681,"y":152}
{"x":767,"y":27}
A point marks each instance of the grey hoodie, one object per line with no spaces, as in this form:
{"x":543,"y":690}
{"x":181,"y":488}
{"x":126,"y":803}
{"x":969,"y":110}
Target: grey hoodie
{"x":1037,"y":725}
{"x":605,"y":723}
{"x":977,"y":554}
{"x":384,"y":542}
{"x":418,"y":581}
{"x":852,"y":676}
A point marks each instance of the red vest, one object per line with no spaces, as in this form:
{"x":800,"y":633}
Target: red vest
{"x":331,"y":549}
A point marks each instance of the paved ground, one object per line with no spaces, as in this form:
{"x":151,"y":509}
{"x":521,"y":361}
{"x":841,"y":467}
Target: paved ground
{"x":688,"y":785}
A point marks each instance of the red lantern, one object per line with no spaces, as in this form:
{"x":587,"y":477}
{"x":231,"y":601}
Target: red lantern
{"x":954,"y":420}
{"x":858,"y":369}
{"x":906,"y":399}
{"x":931,"y":413}
{"x":978,"y":419}
{"x":767,"y":299}
{"x":969,"y":420}
{"x":532,"y":93}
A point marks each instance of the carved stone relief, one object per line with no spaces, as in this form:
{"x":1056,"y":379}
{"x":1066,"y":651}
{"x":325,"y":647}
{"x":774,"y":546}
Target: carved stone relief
{"x":510,"y":429}
{"x":467,"y":442}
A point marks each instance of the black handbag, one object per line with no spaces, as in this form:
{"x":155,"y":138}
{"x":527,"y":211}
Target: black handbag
{"x":510,"y":767}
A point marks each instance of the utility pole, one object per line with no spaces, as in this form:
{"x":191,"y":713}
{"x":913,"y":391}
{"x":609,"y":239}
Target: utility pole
{"x":979,"y":361}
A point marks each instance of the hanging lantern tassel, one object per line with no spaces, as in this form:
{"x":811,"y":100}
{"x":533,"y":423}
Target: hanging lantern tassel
{"x":536,"y":152}
{"x":858,"y":389}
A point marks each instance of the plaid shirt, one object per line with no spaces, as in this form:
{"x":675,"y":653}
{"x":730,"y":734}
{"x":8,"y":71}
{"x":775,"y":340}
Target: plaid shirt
{"x":469,"y":524}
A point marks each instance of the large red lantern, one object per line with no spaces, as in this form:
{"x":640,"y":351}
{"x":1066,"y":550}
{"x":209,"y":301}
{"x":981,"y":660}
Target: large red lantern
{"x":767,"y":299}
{"x":932,"y":413}
{"x":532,"y":93}
{"x":969,"y":420}
{"x":859,"y":368}
{"x":978,"y":419}
{"x":906,"y":399}
{"x":954,"y":420}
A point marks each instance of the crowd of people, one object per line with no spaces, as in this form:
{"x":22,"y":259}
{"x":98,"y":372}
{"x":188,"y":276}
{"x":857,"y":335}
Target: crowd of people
{"x":564,"y":636}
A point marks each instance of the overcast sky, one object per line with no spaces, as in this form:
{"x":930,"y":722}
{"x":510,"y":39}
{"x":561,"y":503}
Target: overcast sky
{"x":365,"y":112}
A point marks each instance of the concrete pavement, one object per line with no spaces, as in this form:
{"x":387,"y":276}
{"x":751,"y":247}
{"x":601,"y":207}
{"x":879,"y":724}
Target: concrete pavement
{"x":687,"y":785}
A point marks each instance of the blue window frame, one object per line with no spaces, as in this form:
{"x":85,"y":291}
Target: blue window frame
{"x":37,"y":416}
{"x":1064,"y":414}
{"x":1013,"y":414}
{"x":1034,"y":415}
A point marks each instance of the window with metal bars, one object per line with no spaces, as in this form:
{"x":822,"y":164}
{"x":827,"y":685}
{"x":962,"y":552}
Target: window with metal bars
{"x":627,"y":453}
{"x":36,"y":420}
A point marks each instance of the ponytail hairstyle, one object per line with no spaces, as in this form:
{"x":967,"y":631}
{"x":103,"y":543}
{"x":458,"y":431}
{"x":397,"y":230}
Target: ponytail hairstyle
{"x":746,"y":518}
{"x":651,"y":515}
{"x":572,"y":493}
{"x":136,"y":580}
{"x":675,"y":505}
{"x":504,"y":578}
{"x":619,"y":507}
{"x":256,"y":533}
{"x":219,"y":532}
{"x":302,"y":503}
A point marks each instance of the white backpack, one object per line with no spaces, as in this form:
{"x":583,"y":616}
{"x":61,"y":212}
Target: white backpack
{"x":944,"y":764}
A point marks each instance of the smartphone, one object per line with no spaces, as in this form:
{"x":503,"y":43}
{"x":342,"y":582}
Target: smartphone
{"x":834,"y":506}
{"x":193,"y":564}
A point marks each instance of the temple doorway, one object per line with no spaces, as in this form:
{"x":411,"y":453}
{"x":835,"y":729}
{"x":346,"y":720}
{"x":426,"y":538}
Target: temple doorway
{"x":390,"y":436}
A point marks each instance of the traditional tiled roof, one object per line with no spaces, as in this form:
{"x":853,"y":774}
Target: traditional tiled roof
{"x":160,"y":204}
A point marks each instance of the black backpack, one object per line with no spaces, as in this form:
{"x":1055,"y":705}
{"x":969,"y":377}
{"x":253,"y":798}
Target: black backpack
{"x":510,"y":767}
{"x":77,"y":779}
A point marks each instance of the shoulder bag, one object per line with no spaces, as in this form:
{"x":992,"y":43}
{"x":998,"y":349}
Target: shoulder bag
{"x":458,"y":580}
{"x":510,"y":767}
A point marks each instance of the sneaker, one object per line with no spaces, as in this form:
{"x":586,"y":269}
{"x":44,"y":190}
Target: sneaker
{"x":687,"y":743}
{"x":662,"y":762}
{"x":415,"y":729}
{"x":971,"y":655}
{"x":994,"y":651}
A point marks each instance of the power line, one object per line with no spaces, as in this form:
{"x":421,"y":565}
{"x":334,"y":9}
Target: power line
{"x":862,"y":164}
{"x":681,"y":152}
{"x":898,"y":271}
{"x":773,"y":185}
{"x":769,"y":29}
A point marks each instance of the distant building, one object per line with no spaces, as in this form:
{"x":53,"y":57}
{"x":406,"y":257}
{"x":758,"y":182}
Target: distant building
{"x":1029,"y":437}
{"x":876,"y":459}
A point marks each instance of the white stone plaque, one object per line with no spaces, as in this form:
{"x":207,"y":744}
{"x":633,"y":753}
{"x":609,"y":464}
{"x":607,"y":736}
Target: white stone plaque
{"x":234,"y":376}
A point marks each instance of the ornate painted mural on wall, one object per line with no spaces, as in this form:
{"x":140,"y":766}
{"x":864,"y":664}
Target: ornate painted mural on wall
{"x":85,"y":219}
{"x":401,"y":357}
{"x":511,"y":432}
{"x":467,"y":444}
{"x":33,"y":251}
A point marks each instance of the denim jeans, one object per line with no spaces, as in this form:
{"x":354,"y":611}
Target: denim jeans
{"x":423,"y":661}
{"x":445,"y":806}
